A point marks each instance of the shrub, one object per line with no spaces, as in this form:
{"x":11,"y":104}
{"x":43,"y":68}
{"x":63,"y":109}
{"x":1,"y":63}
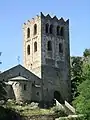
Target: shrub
{"x":59,"y":111}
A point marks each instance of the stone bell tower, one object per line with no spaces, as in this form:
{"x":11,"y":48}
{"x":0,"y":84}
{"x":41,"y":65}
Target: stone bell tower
{"x":32,"y":45}
{"x":47,"y":54}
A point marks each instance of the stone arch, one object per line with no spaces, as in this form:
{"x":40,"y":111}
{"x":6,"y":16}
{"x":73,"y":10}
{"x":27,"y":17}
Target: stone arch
{"x":58,"y":97}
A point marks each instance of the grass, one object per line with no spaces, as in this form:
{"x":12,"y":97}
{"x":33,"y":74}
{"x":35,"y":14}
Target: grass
{"x":28,"y":110}
{"x":11,"y":108}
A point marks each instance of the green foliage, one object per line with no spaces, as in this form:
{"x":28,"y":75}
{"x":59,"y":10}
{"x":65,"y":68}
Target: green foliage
{"x":59,"y":111}
{"x":80,"y":67}
{"x":82,"y":102}
{"x":76,"y":74}
{"x":86,"y":53}
{"x":76,"y":66}
{"x":86,"y":70}
{"x":33,"y":109}
{"x":27,"y":110}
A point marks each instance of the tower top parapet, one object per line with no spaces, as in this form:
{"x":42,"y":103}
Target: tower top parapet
{"x":47,"y":17}
{"x":54,"y":18}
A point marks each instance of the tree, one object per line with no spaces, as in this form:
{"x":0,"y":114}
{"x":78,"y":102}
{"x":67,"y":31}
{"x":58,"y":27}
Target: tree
{"x":82,"y":102}
{"x":86,"y":53}
{"x":76,"y":74}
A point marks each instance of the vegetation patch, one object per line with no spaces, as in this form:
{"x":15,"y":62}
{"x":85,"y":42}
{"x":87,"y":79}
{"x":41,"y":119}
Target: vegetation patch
{"x":33,"y":109}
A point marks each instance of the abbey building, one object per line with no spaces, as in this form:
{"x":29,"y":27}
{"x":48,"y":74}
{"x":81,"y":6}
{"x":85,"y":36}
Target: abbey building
{"x":45,"y":73}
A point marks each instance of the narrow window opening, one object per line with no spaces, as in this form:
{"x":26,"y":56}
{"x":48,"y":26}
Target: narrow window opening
{"x":49,"y":46}
{"x":35,"y":46}
{"x":60,"y":48}
{"x":58,"y":30}
{"x":28,"y":32}
{"x":33,"y":84}
{"x":35,"y":29}
{"x":37,"y":93}
{"x":28,"y":49}
{"x":62,"y":32}
{"x":25,"y":87}
{"x":51,"y":29}
{"x":19,"y":73}
{"x":46,"y":27}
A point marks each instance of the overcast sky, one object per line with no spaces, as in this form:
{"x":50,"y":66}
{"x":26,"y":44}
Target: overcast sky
{"x":13,"y":13}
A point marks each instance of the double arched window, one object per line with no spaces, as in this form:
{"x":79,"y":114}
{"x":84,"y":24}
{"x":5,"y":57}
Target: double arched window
{"x":49,"y":29}
{"x":28,"y":49}
{"x":49,"y":46}
{"x":28,"y":32}
{"x":35,"y":29}
{"x":35,"y":46}
{"x":59,"y":30}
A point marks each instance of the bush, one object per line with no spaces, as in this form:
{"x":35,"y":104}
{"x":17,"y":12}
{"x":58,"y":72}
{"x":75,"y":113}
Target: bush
{"x":59,"y":111}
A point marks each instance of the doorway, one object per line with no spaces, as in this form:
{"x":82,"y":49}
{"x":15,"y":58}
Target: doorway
{"x":58,"y":97}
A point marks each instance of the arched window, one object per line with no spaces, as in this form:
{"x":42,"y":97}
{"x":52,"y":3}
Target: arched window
{"x":62,"y":32}
{"x":28,"y":32}
{"x":60,"y":48}
{"x":35,"y":46}
{"x":28,"y":49}
{"x":49,"y":46}
{"x":35,"y":29}
{"x":51,"y":29}
{"x":46,"y":27}
{"x":58,"y":30}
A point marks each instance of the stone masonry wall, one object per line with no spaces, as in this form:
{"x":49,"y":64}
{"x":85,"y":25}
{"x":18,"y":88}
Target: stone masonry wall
{"x":33,"y":61}
{"x":20,"y":93}
{"x":55,"y":65}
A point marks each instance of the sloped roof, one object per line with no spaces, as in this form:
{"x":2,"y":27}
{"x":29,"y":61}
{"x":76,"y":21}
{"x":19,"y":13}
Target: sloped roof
{"x":20,"y":78}
{"x":18,"y":71}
